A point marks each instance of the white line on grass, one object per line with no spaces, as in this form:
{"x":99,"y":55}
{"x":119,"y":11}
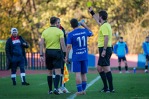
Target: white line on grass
{"x":88,"y":85}
{"x":42,"y":83}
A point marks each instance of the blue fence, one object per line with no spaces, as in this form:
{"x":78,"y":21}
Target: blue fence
{"x":141,"y":60}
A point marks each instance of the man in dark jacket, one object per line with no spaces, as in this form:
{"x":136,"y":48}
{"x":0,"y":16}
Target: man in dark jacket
{"x":16,"y":56}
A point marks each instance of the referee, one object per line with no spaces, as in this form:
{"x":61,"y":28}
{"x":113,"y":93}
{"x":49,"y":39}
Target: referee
{"x":53,"y":38}
{"x":105,"y":49}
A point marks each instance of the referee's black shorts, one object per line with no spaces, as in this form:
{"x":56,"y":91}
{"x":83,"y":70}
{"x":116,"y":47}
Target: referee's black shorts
{"x":54,"y":59}
{"x":105,"y":61}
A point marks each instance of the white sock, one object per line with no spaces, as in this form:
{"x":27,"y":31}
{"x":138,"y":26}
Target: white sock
{"x":13,"y":75}
{"x":53,"y":76}
{"x":22,"y":74}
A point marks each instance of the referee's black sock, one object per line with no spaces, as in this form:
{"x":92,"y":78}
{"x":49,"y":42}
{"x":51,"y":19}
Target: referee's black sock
{"x":104,"y":80}
{"x":56,"y":82}
{"x":49,"y":80}
{"x":126,"y":68}
{"x":119,"y":68}
{"x":146,"y":66}
{"x":110,"y":80}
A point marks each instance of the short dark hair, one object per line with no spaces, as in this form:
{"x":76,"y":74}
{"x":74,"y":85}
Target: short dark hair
{"x":58,"y":18}
{"x":74,"y":23}
{"x":103,"y":14}
{"x":121,"y":37}
{"x":53,"y":20}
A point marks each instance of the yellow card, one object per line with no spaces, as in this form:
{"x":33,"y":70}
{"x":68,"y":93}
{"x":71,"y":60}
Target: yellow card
{"x":89,"y":4}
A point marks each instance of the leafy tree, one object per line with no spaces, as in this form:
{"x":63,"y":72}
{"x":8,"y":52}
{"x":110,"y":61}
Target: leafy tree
{"x":129,"y":18}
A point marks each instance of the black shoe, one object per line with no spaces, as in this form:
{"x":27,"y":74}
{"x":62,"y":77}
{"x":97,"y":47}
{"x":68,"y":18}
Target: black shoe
{"x":56,"y":92}
{"x":104,"y":90}
{"x":14,"y":83}
{"x":112,"y":91}
{"x":25,"y":83}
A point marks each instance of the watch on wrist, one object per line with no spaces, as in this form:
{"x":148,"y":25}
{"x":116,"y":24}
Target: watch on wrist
{"x":92,"y":13}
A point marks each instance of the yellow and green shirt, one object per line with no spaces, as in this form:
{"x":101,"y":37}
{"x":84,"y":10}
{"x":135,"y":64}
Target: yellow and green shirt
{"x":105,"y":29}
{"x":52,"y":37}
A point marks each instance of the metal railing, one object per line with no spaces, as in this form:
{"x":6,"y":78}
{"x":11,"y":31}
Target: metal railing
{"x":33,"y":60}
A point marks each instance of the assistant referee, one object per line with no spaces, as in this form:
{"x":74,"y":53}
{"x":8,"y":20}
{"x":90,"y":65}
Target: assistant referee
{"x":53,"y":38}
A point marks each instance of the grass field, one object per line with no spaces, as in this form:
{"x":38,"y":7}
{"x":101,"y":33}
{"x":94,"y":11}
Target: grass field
{"x":127,"y":86}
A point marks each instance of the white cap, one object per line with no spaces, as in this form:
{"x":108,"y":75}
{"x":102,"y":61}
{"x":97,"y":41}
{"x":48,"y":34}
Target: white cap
{"x":14,"y":30}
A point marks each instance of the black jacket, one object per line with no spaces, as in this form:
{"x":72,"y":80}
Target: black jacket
{"x":9,"y":51}
{"x":64,"y":34}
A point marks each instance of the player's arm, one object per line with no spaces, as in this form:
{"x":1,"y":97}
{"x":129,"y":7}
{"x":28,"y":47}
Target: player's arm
{"x":7,"y":49}
{"x":144,"y":48}
{"x":115,"y":48}
{"x":106,"y":39}
{"x":85,"y":26}
{"x":67,"y":51}
{"x":95,"y":16}
{"x":25,"y":44}
{"x":126,"y":48}
{"x":68,"y":48}
{"x":63,"y":44}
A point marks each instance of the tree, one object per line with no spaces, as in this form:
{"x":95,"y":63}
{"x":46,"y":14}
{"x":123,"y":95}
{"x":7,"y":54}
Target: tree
{"x":129,"y":18}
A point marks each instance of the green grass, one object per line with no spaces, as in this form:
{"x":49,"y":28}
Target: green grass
{"x":127,"y":86}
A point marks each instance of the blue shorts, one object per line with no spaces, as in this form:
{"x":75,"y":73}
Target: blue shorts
{"x":147,"y":57}
{"x":80,"y":66}
{"x":18,"y":61}
{"x":121,"y":58}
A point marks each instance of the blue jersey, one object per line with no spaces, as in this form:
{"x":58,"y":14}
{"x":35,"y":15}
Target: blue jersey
{"x":78,"y":39}
{"x":145,"y":47}
{"x":121,"y":49}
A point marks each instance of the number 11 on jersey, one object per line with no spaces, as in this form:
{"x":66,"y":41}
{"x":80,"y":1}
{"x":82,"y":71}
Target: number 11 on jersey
{"x":79,"y":39}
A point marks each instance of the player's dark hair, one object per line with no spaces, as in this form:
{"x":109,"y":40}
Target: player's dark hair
{"x":74,"y":23}
{"x":103,"y":14}
{"x":58,"y":18}
{"x":121,"y":37}
{"x":53,"y":20}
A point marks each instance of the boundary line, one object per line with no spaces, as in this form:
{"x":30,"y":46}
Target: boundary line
{"x":88,"y":85}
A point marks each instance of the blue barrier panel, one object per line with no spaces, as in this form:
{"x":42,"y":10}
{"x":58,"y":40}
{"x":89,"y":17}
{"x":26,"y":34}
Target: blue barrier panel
{"x":141,"y":60}
{"x":91,"y":60}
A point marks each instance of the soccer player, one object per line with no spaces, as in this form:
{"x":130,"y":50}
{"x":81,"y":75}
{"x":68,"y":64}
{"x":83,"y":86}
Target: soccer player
{"x":105,"y":49}
{"x":62,"y":88}
{"x":77,"y":40}
{"x":145,"y":47}
{"x":16,"y":56}
{"x":121,"y":49}
{"x":53,"y":38}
